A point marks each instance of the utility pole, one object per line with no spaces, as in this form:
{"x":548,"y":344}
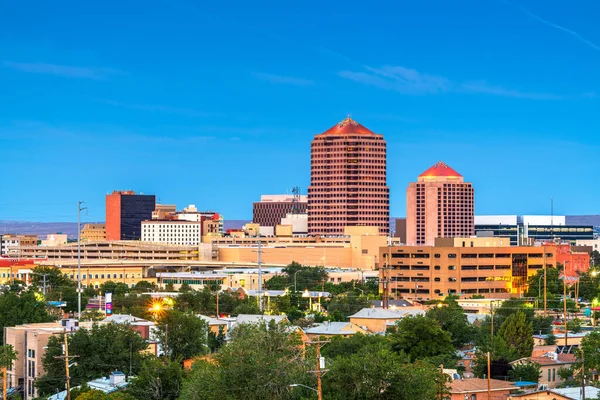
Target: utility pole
{"x":217,"y":304}
{"x":79,"y":210}
{"x":582,"y":375}
{"x":492,"y":321}
{"x":319,"y":371}
{"x":260,"y":302}
{"x":67,"y":358}
{"x":4,"y":382}
{"x":43,"y":280}
{"x":489,"y":371}
{"x":565,"y":305}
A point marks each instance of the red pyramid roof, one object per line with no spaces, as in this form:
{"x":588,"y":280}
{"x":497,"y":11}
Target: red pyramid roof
{"x":348,"y":127}
{"x":440,"y":169}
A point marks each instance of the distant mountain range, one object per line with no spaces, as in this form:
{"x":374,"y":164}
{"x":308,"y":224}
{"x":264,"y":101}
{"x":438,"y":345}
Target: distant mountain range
{"x":41,"y":229}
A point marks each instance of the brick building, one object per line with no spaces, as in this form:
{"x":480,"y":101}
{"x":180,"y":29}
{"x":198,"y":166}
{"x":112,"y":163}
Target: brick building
{"x":440,"y":204}
{"x":348,"y":185}
{"x":272,"y":208}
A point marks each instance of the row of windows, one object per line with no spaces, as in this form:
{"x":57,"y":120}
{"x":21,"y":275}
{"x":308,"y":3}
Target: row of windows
{"x":192,"y":281}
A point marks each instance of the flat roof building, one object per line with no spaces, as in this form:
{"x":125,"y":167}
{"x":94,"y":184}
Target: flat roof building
{"x":272,"y":208}
{"x":125,"y":212}
{"x":432,"y":272}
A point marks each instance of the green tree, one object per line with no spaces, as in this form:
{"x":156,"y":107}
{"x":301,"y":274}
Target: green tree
{"x":377,"y":372}
{"x":550,"y":339}
{"x":452,"y":318}
{"x":590,"y":352}
{"x":344,"y":305}
{"x":346,"y":346}
{"x":595,"y":258}
{"x":8,"y":356}
{"x":517,"y":332}
{"x":215,"y":341}
{"x":116,"y":288}
{"x":182,"y":336}
{"x":542,"y":325}
{"x":574,"y":325}
{"x":157,"y":380}
{"x":99,"y":350}
{"x":528,"y":372}
{"x":421,"y":338}
{"x":22,"y":308}
{"x":260,"y":362}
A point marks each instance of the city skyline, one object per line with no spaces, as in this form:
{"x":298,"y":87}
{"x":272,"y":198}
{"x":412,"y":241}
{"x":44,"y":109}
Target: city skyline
{"x":242,"y":90}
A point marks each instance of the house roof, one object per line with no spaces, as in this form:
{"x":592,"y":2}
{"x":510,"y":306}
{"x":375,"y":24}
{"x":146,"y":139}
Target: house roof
{"x":382,"y":313}
{"x":347,"y":126}
{"x":549,"y":359}
{"x":335,"y":328}
{"x":212,"y":321}
{"x":256,"y":318}
{"x":397,"y":303}
{"x":440,"y":169}
{"x":479,"y":385}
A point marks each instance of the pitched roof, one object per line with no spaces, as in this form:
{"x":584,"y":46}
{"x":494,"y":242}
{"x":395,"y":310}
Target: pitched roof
{"x":335,"y":328}
{"x":440,"y":169}
{"x":548,"y":359}
{"x":347,"y":127}
{"x":479,"y":385}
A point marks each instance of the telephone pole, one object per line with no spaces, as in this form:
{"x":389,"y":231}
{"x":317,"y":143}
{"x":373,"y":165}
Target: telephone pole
{"x":260,"y":285}
{"x":79,"y":210}
{"x":320,"y":370}
{"x":489,"y":371}
{"x":67,"y":358}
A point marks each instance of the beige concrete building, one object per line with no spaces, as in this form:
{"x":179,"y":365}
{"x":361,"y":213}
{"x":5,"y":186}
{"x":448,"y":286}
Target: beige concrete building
{"x":10,"y":245}
{"x":93,"y":233}
{"x":114,"y":250}
{"x":357,"y":248}
{"x":432,"y":272}
{"x":55,"y":239}
{"x":439,"y":204}
{"x":29,"y":341}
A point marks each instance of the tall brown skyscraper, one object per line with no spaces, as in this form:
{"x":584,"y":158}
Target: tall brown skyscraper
{"x":439,"y":204}
{"x":348,"y":184}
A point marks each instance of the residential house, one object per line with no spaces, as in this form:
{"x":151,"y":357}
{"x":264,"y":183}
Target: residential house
{"x":549,"y":363}
{"x":377,"y":320}
{"x":331,"y":329}
{"x":477,"y":389}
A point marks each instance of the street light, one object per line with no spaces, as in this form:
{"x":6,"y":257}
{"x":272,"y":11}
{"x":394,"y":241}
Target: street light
{"x":293,"y":385}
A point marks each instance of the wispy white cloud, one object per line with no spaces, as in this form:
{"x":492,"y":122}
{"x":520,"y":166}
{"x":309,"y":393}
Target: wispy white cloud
{"x":280,"y":79}
{"x":553,"y":25}
{"x":409,"y":81}
{"x":62,"y":70}
{"x":187,"y":112}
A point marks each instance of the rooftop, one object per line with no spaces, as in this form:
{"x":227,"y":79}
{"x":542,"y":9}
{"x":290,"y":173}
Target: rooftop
{"x":440,"y":169}
{"x":479,"y":385}
{"x":335,"y":328}
{"x":382,"y":313}
{"x":347,"y":127}
{"x":256,"y":318}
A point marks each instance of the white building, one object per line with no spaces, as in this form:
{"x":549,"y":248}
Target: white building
{"x":299,"y":223}
{"x":172,"y":232}
{"x":191,"y":213}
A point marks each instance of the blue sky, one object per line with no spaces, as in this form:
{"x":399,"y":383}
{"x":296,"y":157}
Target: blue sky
{"x":215,"y":103}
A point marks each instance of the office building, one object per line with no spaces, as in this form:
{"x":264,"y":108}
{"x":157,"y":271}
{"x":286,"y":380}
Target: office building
{"x":462,"y":266}
{"x":10,"y":244}
{"x":191,"y":213}
{"x":125,"y":212}
{"x":164,"y":211}
{"x":440,"y":204}
{"x":172,"y":232}
{"x":348,"y":185}
{"x":524,"y":229}
{"x":273,"y":207}
{"x":93,"y":233}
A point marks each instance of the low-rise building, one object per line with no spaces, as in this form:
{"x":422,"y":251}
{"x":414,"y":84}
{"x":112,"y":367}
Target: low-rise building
{"x":10,"y":245}
{"x":54,"y":239}
{"x":334,"y":329}
{"x":377,"y":320}
{"x":433,"y":272}
{"x":115,"y":382}
{"x":549,"y":364}
{"x":572,"y":393}
{"x":477,"y":389}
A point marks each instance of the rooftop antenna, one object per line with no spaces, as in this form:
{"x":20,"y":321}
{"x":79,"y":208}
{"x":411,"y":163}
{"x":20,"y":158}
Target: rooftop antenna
{"x":296,"y":200}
